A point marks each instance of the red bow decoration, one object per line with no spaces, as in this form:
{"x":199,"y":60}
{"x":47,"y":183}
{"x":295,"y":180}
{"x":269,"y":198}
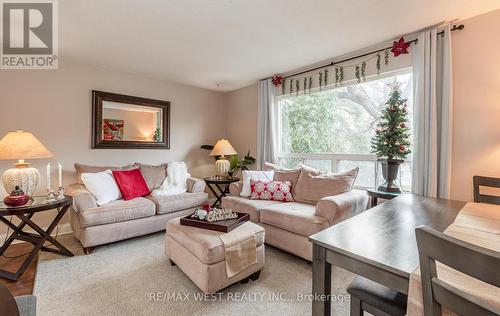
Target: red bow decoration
{"x":400,"y":47}
{"x":277,"y":80}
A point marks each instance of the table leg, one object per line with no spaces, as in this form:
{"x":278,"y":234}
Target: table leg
{"x":36,"y":240}
{"x":374,"y":201}
{"x":217,"y":195}
{"x":321,"y":284}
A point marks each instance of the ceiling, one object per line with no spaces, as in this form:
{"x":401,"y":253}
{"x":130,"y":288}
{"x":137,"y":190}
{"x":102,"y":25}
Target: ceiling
{"x":233,"y":43}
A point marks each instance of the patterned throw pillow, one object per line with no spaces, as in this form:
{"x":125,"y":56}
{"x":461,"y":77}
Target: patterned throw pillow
{"x":271,"y":190}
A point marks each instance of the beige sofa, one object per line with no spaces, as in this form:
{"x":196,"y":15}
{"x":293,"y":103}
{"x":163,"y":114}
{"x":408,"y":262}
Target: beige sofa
{"x":118,"y":220}
{"x":288,"y":224}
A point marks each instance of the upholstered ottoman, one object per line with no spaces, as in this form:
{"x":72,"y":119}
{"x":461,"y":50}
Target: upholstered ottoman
{"x":201,"y":254}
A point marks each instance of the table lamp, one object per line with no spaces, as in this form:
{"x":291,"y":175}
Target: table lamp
{"x":22,"y":145}
{"x":223,"y":148}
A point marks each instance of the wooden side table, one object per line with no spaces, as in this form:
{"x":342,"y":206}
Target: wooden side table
{"x":376,"y":194}
{"x":24,"y":214}
{"x":219,"y":187}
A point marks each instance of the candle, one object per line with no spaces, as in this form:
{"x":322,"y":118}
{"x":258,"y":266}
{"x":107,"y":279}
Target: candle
{"x":60,"y":174}
{"x":48,"y":178}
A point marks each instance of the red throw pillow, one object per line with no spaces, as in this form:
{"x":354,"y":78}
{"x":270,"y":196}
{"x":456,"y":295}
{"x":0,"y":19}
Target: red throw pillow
{"x":272,"y":190}
{"x":131,"y":183}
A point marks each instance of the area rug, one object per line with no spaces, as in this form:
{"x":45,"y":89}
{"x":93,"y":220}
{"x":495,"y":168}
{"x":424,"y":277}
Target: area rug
{"x":134,"y":277}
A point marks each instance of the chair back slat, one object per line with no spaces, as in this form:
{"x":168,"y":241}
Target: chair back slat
{"x":460,"y":302}
{"x":481,"y":263}
{"x":479,"y":181}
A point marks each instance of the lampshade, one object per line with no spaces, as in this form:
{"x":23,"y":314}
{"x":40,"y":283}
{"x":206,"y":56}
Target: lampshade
{"x":223,"y":148}
{"x":22,"y":145}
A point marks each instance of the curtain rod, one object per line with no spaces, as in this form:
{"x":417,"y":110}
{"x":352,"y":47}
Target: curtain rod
{"x":454,"y":28}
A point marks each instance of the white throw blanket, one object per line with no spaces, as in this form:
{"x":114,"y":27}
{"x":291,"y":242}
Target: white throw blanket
{"x":176,"y":180}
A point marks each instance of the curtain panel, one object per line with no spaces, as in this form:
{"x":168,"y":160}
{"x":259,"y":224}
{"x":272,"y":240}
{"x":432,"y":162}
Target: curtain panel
{"x":266,"y":141}
{"x":432,"y":75}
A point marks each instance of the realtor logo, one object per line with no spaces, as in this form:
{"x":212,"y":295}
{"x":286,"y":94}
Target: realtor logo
{"x":29,"y":34}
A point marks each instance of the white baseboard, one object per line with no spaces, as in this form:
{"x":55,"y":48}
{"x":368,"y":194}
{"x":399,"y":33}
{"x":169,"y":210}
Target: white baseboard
{"x":61,"y":229}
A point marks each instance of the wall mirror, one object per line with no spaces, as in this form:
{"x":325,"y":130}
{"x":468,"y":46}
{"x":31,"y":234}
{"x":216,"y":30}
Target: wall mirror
{"x":123,"y":121}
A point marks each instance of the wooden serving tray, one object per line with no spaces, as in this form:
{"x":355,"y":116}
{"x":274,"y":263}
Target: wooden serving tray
{"x":224,"y":226}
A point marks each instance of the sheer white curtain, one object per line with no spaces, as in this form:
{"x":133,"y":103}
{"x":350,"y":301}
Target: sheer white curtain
{"x":266,"y":140}
{"x":433,"y":104}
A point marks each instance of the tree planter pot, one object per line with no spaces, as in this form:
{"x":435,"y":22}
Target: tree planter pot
{"x":390,"y":168}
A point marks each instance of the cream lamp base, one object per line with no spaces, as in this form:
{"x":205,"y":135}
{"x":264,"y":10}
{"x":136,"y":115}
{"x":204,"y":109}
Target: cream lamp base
{"x":26,"y":178}
{"x":222,"y":167}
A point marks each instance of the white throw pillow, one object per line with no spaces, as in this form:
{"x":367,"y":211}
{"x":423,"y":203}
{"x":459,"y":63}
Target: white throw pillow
{"x":102,"y":185}
{"x":256,"y":176}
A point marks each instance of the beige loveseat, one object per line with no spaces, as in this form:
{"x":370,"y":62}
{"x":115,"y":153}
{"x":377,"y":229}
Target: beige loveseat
{"x":118,"y":220}
{"x":288,"y":224}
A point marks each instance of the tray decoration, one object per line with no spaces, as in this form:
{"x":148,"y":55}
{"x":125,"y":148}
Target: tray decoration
{"x":214,"y":215}
{"x":222,"y":220}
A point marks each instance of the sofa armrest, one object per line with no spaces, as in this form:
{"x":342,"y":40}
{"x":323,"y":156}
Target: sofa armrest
{"x":235,"y":188}
{"x":82,"y":198}
{"x":195,"y":185}
{"x":336,"y":208}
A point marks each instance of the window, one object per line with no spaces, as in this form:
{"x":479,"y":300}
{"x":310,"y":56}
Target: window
{"x":332,"y":129}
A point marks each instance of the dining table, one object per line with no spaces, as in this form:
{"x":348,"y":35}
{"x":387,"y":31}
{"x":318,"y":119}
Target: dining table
{"x":378,"y":244}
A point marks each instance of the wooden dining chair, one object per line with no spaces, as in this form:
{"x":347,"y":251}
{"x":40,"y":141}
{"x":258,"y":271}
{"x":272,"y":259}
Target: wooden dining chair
{"x":480,"y":263}
{"x":479,"y":181}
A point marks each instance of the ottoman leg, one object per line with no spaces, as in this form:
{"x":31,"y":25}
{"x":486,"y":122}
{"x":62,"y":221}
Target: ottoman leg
{"x":171,"y":262}
{"x":255,"y":276}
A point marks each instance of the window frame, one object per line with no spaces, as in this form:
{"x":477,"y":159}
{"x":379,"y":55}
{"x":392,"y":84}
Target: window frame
{"x":335,"y":158}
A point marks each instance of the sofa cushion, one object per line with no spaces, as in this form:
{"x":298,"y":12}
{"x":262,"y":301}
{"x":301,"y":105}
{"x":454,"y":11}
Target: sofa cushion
{"x":282,"y":174}
{"x":131,"y":183}
{"x":245,"y":205}
{"x":314,"y":184}
{"x":172,"y":203}
{"x":203,"y":243}
{"x":153,"y":175}
{"x":294,"y":217}
{"x":117,"y":211}
{"x":273,"y":190}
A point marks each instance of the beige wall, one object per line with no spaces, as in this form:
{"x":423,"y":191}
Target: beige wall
{"x":241,"y":125}
{"x":476,"y":115}
{"x":56,"y":107}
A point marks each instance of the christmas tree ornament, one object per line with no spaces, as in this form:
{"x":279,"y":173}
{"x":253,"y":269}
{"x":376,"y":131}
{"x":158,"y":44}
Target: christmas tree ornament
{"x":400,"y":47}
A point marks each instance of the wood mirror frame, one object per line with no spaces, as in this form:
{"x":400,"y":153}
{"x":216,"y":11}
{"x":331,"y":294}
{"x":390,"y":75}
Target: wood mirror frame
{"x":97,"y":117}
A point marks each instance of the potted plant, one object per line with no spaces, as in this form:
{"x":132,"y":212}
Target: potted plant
{"x":391,"y":142}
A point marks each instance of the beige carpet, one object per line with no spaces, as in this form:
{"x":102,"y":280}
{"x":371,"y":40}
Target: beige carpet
{"x":134,"y":277}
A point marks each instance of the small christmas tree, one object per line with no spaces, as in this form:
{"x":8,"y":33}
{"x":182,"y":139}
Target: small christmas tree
{"x":392,"y":138}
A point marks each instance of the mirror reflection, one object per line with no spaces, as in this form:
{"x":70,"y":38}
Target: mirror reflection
{"x":131,"y":122}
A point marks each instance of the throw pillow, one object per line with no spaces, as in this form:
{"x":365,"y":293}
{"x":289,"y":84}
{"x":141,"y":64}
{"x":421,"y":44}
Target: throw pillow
{"x":154,"y":175}
{"x":283,"y":174}
{"x":102,"y":185}
{"x":248,"y":175}
{"x":131,"y":183}
{"x":314,"y":184}
{"x":273,"y":190}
